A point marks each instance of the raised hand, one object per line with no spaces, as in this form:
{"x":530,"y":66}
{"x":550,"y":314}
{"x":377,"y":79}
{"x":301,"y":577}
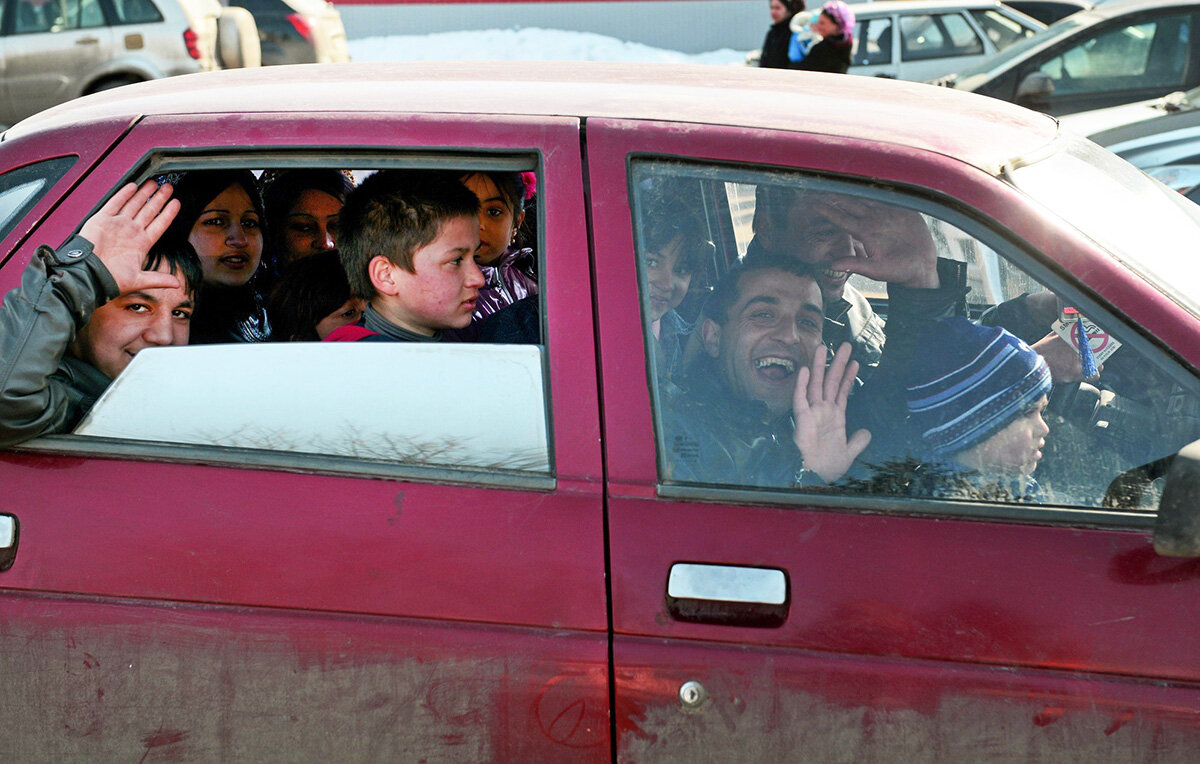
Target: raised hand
{"x":896,"y":242}
{"x":819,"y":408}
{"x":126,"y":227}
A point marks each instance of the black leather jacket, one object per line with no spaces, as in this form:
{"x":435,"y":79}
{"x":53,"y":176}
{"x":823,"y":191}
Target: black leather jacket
{"x":42,"y":390}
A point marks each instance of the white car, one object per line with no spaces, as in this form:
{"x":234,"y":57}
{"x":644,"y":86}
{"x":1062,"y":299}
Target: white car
{"x":922,"y":40}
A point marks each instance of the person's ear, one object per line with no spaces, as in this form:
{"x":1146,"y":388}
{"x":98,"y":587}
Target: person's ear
{"x":517,"y":223}
{"x":710,"y":333}
{"x":382,"y":273}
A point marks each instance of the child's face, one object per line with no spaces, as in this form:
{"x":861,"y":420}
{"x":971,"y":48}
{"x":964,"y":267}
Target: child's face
{"x":441,"y":291}
{"x":1016,"y":449}
{"x":347,"y":313}
{"x":826,"y":27}
{"x":497,"y":225}
{"x":668,"y":277}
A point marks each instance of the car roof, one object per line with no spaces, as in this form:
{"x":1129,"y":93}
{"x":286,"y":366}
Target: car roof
{"x":1107,"y":10}
{"x":916,"y":6}
{"x":982,"y":131}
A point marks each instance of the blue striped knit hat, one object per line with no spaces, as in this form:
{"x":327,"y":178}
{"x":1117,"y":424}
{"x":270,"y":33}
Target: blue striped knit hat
{"x":973,"y":382}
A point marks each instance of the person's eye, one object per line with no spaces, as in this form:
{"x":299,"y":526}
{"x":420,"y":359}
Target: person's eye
{"x":762,"y":316}
{"x":216,"y":221}
{"x":302,"y":228}
{"x":249,"y":222}
{"x":683,"y":269}
{"x":350,"y":313}
{"x":495,"y":212}
{"x":651,"y":262}
{"x":181,"y":315}
{"x":809,"y":323}
{"x":137,"y":307}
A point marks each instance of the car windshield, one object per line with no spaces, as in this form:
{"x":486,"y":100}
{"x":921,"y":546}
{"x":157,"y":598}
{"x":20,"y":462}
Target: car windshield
{"x":1084,"y":183}
{"x":1018,"y":49}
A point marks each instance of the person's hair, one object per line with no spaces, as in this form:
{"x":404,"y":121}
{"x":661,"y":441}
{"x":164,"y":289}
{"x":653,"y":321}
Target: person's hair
{"x":196,"y":188}
{"x":728,"y":290}
{"x":181,"y":260}
{"x":281,"y":189}
{"x":667,"y":219}
{"x":309,"y":290}
{"x":394,"y":213}
{"x":793,"y":6}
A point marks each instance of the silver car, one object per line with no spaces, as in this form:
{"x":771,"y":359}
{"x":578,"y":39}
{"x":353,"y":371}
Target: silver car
{"x":921,"y":40}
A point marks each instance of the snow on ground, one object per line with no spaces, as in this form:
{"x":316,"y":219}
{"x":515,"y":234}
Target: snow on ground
{"x":526,"y":44}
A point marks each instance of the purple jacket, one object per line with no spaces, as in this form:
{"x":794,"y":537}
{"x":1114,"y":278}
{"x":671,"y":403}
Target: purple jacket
{"x":509,"y":279}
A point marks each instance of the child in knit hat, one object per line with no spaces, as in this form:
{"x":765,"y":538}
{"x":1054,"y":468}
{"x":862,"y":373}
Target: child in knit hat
{"x":977,"y":402}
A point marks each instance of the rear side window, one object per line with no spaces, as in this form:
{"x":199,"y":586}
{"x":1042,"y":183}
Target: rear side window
{"x":21,"y":189}
{"x":57,"y":15}
{"x":1000,"y":29}
{"x":873,"y":42}
{"x":937,"y":36}
{"x":136,"y":11}
{"x":1153,"y":54}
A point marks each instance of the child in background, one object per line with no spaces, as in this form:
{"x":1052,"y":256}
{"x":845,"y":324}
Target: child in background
{"x":312,"y":299}
{"x":977,"y":403}
{"x":835,"y":25}
{"x":507,"y":266}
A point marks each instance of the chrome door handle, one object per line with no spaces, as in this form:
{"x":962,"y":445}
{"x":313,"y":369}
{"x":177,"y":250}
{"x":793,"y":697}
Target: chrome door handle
{"x":87,"y":41}
{"x":9,"y":533}
{"x":732,"y":595}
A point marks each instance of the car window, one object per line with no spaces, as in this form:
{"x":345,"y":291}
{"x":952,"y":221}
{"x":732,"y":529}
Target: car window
{"x":57,"y":15}
{"x":873,"y":42}
{"x":1100,"y":443}
{"x":936,"y":36}
{"x":1152,"y":54}
{"x":20,"y":189}
{"x":1000,"y":29}
{"x":136,"y":11}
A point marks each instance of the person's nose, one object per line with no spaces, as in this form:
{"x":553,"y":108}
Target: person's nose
{"x":659,"y":278}
{"x":475,"y":278}
{"x":1041,"y":429}
{"x":325,"y":241}
{"x":159,"y":331}
{"x":236,"y":236}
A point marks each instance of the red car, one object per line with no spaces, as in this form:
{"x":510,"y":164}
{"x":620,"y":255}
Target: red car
{"x":483,"y":552}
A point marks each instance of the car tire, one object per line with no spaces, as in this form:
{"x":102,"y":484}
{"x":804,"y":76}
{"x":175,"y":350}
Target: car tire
{"x":237,"y":39}
{"x":113,"y":82}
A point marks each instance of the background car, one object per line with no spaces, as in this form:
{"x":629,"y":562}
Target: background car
{"x":1049,"y":11}
{"x":1115,"y":53}
{"x":298,"y":31}
{"x":922,"y":40}
{"x":56,"y":50}
{"x":353,"y":551}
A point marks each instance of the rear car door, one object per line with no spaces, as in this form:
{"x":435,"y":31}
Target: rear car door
{"x":873,"y":624}
{"x":180,"y":597}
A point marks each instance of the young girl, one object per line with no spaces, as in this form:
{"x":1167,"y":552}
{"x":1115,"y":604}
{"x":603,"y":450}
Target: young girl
{"x":508,"y":267}
{"x":835,"y":25}
{"x":978,"y":402}
{"x":312,"y":299}
{"x":221,"y":217}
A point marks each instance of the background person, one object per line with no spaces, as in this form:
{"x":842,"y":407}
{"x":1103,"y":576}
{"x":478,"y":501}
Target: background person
{"x":775,"y":47}
{"x":835,"y":25}
{"x":303,"y":212}
{"x":311,"y":299}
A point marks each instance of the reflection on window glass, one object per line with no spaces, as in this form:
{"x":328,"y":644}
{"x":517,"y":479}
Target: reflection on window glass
{"x":1000,"y":29}
{"x":1148,"y":55}
{"x":964,"y":369}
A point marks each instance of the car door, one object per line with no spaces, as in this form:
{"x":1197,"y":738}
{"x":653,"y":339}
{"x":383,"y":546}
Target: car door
{"x":760,"y":624}
{"x":50,"y":49}
{"x":175,"y":596}
{"x":1137,"y":57}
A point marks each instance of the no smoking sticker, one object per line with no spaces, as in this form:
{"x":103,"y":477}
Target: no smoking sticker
{"x":1101,"y":342}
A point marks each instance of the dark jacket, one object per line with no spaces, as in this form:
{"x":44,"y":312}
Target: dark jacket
{"x":775,"y":46}
{"x":42,"y":390}
{"x":829,"y":55}
{"x":229,"y":314}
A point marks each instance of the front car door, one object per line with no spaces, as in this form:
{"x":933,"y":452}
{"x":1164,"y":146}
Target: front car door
{"x":186,"y":592}
{"x":873,"y":622}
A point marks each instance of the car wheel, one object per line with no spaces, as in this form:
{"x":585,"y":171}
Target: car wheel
{"x":112,"y":82}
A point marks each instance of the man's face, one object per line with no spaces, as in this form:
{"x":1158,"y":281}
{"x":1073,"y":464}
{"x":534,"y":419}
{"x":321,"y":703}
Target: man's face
{"x":771,"y":332}
{"x":123,"y":327}
{"x":812,"y":239}
{"x":441,"y":291}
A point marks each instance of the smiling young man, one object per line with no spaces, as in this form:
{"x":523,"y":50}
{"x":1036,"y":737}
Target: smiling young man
{"x":409,"y":245}
{"x":84,"y":311}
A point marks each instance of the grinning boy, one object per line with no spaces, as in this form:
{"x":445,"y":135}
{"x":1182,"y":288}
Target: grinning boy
{"x":82,"y":312}
{"x":408,"y":245}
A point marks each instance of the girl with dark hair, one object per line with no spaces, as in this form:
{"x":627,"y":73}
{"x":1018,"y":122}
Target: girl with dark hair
{"x":312,"y":299}
{"x":303,"y":208}
{"x":508,"y":267}
{"x":779,"y":36}
{"x":221,"y":216}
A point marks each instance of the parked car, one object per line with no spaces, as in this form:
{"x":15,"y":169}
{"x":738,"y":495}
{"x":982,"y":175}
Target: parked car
{"x":298,"y":31}
{"x":923,"y":40}
{"x":53,"y":51}
{"x":1116,"y":53}
{"x":1049,"y":11}
{"x":348,"y":551}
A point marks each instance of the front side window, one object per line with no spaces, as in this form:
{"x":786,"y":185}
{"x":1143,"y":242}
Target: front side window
{"x":936,"y":36}
{"x":873,"y":42}
{"x":813,"y":336}
{"x":1000,"y":29}
{"x":136,"y":11}
{"x":1153,"y":54}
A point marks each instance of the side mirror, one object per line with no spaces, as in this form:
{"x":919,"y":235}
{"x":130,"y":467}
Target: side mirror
{"x":1035,"y":88}
{"x":1177,"y":529}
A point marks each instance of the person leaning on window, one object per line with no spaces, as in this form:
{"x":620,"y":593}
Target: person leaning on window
{"x":82,"y":312}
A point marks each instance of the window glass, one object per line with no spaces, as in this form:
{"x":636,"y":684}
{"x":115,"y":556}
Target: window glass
{"x":1000,"y":29}
{"x":20,"y":189}
{"x":136,"y":11}
{"x":57,"y":15}
{"x":1153,"y":54}
{"x":936,"y":36}
{"x":972,"y":386}
{"x":873,"y":42}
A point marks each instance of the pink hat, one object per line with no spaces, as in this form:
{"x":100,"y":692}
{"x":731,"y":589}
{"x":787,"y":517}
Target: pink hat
{"x":841,"y":13}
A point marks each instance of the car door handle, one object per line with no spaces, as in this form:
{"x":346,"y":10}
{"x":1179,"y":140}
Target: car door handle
{"x":87,"y":40}
{"x":728,"y":595}
{"x":9,"y":532}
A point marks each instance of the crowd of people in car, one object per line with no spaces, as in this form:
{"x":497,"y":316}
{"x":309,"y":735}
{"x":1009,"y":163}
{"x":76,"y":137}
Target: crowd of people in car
{"x":787,"y":377}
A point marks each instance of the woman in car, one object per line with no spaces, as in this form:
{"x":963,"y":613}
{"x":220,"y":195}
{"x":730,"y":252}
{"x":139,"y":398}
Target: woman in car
{"x":303,"y":207}
{"x":221,"y":217}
